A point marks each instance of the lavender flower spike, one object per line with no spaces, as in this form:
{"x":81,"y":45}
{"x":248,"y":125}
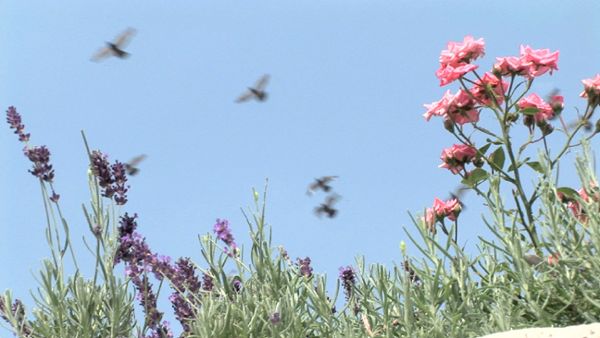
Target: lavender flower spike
{"x":305,"y":268}
{"x":14,"y":119}
{"x":40,"y":157}
{"x":348,"y":278}
{"x":223,"y":232}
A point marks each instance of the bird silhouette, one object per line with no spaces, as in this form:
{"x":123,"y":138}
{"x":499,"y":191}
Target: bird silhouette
{"x":115,"y":48}
{"x":131,"y":166}
{"x":321,"y":183}
{"x":327,"y":207}
{"x":257,"y":92}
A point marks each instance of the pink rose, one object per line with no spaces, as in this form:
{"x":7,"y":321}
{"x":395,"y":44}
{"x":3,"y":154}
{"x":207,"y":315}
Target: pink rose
{"x":511,"y":65}
{"x":452,"y":209}
{"x":438,"y":108}
{"x":591,"y":90}
{"x":461,"y":108}
{"x":459,"y":53}
{"x":439,"y":211}
{"x":455,"y":157}
{"x":545,"y":111}
{"x":448,"y":73}
{"x":489,"y":84}
{"x":439,"y":207}
{"x":540,"y":61}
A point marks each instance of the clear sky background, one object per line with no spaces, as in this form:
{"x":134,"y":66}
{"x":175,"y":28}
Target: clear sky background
{"x":348,"y":84}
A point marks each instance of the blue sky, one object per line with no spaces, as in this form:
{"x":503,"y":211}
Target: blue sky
{"x":348,"y":84}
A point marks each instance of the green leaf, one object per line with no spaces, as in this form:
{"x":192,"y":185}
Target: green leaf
{"x":568,"y":192}
{"x":498,"y":157}
{"x":535,"y":165}
{"x":530,"y":111}
{"x":483,"y":149}
{"x":475,"y":177}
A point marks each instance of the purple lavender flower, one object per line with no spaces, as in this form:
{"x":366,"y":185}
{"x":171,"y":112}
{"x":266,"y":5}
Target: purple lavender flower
{"x":101,"y":169}
{"x":304,"y":265}
{"x":183,"y":310}
{"x":120,"y":178}
{"x":275,"y":318}
{"x":160,"y":265}
{"x":14,"y":119}
{"x":348,"y":278}
{"x":207,"y":282}
{"x":223,"y":232}
{"x":40,"y":157}
{"x":185,"y":278}
{"x":127,"y":225}
{"x":147,"y":300}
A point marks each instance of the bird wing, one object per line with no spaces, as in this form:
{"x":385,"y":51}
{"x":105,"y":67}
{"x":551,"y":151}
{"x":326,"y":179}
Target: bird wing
{"x":327,"y":179}
{"x":262,"y":82}
{"x":123,"y":39}
{"x":245,"y":96}
{"x":312,"y":187}
{"x":330,"y":200}
{"x":102,"y":53}
{"x":136,"y":160}
{"x":552,"y":93}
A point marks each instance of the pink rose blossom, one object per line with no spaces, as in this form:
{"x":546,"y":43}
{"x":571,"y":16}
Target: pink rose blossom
{"x":494,"y":85}
{"x":531,"y":63}
{"x":438,"y":108}
{"x":455,"y":157}
{"x":459,"y":53}
{"x":461,"y":109}
{"x":448,"y":74}
{"x":452,"y":209}
{"x":439,"y":211}
{"x":545,"y":111}
{"x":439,"y":207}
{"x":511,"y":65}
{"x":591,"y":90}
{"x":540,"y":61}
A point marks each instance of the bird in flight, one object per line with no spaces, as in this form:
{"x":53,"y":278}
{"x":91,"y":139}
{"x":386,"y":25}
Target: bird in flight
{"x":327,"y":207}
{"x":257,"y":92}
{"x":116,"y":47}
{"x":320,"y":183}
{"x":458,"y":194}
{"x":131,"y":166}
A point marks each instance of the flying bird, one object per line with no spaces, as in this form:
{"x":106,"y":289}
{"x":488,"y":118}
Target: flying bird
{"x":115,"y":48}
{"x":458,"y":194}
{"x":131,"y":166}
{"x":321,"y":183}
{"x":327,"y":207}
{"x":257,"y":92}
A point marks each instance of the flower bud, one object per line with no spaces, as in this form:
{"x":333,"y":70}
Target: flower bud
{"x":512,"y":117}
{"x":449,"y":125}
{"x":403,"y":248}
{"x":545,"y":127}
{"x":478,"y":162}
